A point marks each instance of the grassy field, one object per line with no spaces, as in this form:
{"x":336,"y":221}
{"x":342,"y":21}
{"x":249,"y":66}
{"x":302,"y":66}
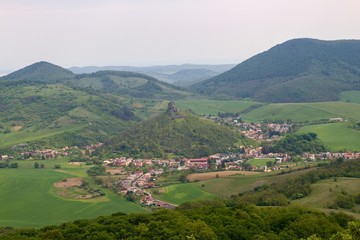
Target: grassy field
{"x":325,"y":192}
{"x":322,"y":196}
{"x":213,"y":106}
{"x":258,"y":162}
{"x":305,"y":111}
{"x":224,"y":186}
{"x":235,"y":184}
{"x":27,"y":196}
{"x":350,"y":96}
{"x":181,"y":193}
{"x":283,"y":111}
{"x":337,"y":136}
{"x":27,"y":135}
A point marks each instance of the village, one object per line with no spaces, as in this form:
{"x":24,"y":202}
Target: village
{"x":143,"y":173}
{"x":139,"y":175}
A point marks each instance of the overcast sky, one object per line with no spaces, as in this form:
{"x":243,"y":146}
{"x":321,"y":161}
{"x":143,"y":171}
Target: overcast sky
{"x":152,"y":32}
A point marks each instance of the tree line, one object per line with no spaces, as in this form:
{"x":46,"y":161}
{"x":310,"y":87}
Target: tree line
{"x":218,"y":219}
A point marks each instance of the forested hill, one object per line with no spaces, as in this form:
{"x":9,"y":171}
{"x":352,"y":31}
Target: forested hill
{"x":182,"y":134}
{"x":47,"y":105}
{"x":299,"y":70}
{"x":116,"y":82}
{"x":40,"y":72}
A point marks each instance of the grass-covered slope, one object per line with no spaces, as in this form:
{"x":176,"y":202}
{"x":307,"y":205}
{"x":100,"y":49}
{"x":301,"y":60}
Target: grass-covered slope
{"x":213,"y":107}
{"x":33,"y":112}
{"x":185,"y":135}
{"x":301,"y":112}
{"x":300,"y":70}
{"x":337,"y":136}
{"x":349,"y":109}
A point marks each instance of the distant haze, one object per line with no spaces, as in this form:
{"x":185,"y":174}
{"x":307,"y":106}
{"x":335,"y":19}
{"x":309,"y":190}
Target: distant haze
{"x":162,"y":32}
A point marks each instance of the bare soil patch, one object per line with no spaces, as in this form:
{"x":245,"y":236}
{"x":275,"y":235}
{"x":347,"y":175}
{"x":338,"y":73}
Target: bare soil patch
{"x":138,"y":105}
{"x":88,"y":196}
{"x":16,"y":128}
{"x":76,"y":163}
{"x":70,"y":182}
{"x":114,"y":171}
{"x":211,"y":175}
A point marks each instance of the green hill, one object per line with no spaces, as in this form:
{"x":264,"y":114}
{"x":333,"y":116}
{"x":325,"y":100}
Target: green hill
{"x":300,"y":70}
{"x":128,"y":84}
{"x":182,"y":134}
{"x":40,"y":72}
{"x":61,"y":114}
{"x":47,"y":105}
{"x":167,"y":73}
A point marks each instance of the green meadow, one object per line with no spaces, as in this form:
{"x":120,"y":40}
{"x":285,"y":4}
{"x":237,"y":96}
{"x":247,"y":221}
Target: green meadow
{"x":325,"y":192}
{"x":234,"y":184}
{"x":27,"y":196}
{"x":337,"y":136}
{"x":181,"y":193}
{"x":27,"y":135}
{"x":302,"y":112}
{"x":350,"y":96}
{"x":219,"y":187}
{"x":258,"y":162}
{"x":278,"y":111}
{"x":212,"y":107}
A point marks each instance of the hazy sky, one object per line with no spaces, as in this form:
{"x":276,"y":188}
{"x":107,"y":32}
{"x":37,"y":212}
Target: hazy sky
{"x":151,"y":32}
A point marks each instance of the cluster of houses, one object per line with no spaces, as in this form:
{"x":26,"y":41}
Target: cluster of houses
{"x":138,"y":163}
{"x":149,"y":201}
{"x":137,"y":182}
{"x":139,"y":179}
{"x":225,"y":161}
{"x":92,"y":147}
{"x":258,"y":131}
{"x":41,"y":154}
{"x":329,"y":155}
{"x":52,"y":153}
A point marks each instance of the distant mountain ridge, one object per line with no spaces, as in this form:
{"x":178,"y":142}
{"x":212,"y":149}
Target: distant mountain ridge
{"x":299,"y":70}
{"x":174,"y":74}
{"x":187,"y":77}
{"x":132,"y":84}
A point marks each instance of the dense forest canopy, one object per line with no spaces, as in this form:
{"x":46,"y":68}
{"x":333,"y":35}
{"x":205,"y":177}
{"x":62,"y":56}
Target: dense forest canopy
{"x":201,"y":220}
{"x":295,"y":144}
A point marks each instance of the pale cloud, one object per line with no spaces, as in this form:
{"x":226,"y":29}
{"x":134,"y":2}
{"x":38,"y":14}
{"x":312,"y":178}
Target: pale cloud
{"x":147,"y":32}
